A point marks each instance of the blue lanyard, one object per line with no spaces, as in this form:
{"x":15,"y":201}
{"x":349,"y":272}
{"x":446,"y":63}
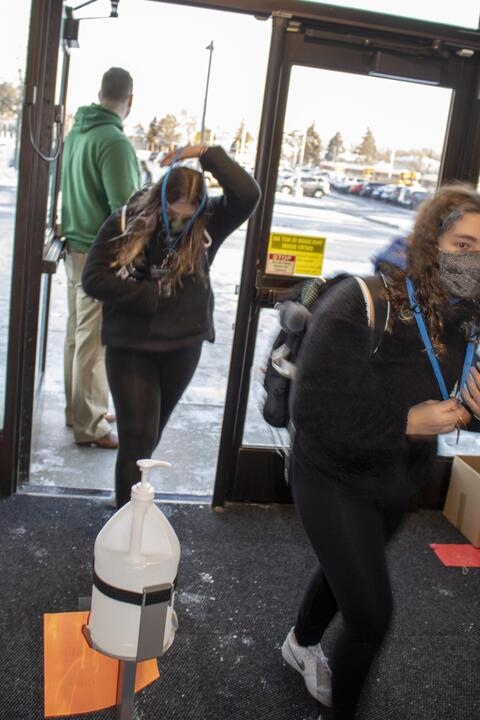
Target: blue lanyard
{"x":171,"y":244}
{"x":467,"y":363}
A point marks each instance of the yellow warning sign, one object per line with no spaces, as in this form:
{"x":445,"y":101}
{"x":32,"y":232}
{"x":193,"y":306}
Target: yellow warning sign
{"x":295,"y":254}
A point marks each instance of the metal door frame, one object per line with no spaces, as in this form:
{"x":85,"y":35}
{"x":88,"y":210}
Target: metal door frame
{"x":30,"y":222}
{"x":248,"y":473}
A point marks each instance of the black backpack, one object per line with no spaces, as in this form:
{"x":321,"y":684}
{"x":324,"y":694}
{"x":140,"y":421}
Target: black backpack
{"x":294,"y":315}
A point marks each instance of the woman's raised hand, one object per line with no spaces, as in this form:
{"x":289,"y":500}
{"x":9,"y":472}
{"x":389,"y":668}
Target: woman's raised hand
{"x":189,"y":151}
{"x":434,"y":417}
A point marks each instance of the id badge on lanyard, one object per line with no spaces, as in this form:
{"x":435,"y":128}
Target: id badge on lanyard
{"x":459,"y":441}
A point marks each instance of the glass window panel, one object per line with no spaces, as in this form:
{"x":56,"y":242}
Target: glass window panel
{"x":353,"y":169}
{"x":13,"y":45}
{"x":257,"y":432}
{"x":463,"y":14}
{"x":52,"y":166}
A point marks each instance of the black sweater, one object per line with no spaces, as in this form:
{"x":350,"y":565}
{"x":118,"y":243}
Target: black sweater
{"x":349,"y":407}
{"x":134,"y":314}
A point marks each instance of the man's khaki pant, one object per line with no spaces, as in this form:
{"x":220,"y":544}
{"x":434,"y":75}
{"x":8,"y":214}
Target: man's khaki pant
{"x":86,"y":386}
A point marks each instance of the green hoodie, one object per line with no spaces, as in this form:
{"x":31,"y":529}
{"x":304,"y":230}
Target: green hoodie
{"x":99,"y":173}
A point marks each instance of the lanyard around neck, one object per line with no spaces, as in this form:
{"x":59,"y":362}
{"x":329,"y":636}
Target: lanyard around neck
{"x":422,"y":327}
{"x":172,"y":243}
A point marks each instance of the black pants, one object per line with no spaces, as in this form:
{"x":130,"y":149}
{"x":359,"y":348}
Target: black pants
{"x":348,"y":534}
{"x":145,"y":388}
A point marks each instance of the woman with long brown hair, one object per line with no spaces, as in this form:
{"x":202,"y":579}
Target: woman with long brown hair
{"x":150,"y":266}
{"x":365,"y":431}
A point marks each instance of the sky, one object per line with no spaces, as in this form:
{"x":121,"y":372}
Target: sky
{"x":464,"y":13}
{"x":400,"y":114}
{"x":164,"y":48}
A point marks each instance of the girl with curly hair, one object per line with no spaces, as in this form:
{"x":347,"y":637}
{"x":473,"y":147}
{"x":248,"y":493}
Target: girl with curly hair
{"x":365,"y":426}
{"x":149,"y":266}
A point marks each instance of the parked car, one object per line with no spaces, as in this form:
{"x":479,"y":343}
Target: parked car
{"x":368,"y":188}
{"x":403,"y":197}
{"x":346,"y":182}
{"x":312,"y":186}
{"x":377,"y":191}
{"x":387,"y":192}
{"x":416,"y":197}
{"x":395,"y":195}
{"x":286,"y":184}
{"x":356,"y":188}
{"x":316,"y":187}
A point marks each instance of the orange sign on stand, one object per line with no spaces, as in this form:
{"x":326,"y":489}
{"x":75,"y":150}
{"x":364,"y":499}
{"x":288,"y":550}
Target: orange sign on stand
{"x":78,"y":679}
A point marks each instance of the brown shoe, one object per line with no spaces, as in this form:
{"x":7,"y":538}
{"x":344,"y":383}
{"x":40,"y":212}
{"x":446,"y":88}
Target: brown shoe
{"x":109,"y":442}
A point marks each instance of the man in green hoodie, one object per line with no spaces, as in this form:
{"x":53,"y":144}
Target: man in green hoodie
{"x":99,"y":173}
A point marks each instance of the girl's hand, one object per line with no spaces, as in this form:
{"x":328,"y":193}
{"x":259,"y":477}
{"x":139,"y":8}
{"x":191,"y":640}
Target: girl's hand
{"x":189,"y":151}
{"x":471,"y":391}
{"x":434,"y":417}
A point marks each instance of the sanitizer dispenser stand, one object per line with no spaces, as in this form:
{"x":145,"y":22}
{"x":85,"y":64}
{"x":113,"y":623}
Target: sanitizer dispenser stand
{"x":136,"y":561}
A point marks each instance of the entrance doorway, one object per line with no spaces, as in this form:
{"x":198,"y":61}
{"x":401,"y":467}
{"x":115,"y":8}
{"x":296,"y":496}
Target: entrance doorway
{"x":352,"y":88}
{"x":317,"y":63}
{"x":169,"y":96}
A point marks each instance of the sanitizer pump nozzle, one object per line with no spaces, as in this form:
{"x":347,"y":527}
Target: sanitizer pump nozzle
{"x":143,"y":494}
{"x":144,"y":490}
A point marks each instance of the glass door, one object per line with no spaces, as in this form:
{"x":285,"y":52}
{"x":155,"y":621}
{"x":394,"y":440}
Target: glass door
{"x":170,"y":113}
{"x":353,"y":168}
{"x":359,"y":125}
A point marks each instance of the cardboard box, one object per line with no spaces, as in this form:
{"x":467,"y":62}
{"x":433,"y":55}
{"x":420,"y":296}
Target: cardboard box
{"x":462,"y":505}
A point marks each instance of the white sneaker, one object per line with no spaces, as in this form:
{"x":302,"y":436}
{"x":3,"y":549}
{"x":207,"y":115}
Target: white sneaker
{"x":312,"y":664}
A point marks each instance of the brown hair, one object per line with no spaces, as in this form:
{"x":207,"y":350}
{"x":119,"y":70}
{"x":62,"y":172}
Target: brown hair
{"x":117,"y":85}
{"x":435,"y":216}
{"x":144,"y":213}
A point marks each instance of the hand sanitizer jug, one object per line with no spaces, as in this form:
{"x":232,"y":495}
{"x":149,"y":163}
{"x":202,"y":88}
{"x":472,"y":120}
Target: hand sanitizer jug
{"x":136,"y":549}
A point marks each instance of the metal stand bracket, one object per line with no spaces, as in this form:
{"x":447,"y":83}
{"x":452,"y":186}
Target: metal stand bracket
{"x":153,"y":618}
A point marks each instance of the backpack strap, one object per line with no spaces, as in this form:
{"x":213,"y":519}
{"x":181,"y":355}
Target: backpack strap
{"x":378,"y":309}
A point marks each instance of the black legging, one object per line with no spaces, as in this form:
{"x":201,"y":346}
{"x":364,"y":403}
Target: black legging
{"x":348,"y":535}
{"x":145,"y":388}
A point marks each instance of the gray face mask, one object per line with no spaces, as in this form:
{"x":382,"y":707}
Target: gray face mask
{"x":460,"y":273}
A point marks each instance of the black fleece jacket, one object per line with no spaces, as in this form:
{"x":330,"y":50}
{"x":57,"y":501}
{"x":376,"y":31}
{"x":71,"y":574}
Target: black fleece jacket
{"x":134,"y":314}
{"x":349,"y":407}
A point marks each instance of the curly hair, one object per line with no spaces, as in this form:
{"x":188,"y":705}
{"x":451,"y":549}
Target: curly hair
{"x":143,"y":217}
{"x":435,"y":216}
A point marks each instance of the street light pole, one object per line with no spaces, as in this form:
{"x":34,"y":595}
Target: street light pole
{"x":202,"y":131}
